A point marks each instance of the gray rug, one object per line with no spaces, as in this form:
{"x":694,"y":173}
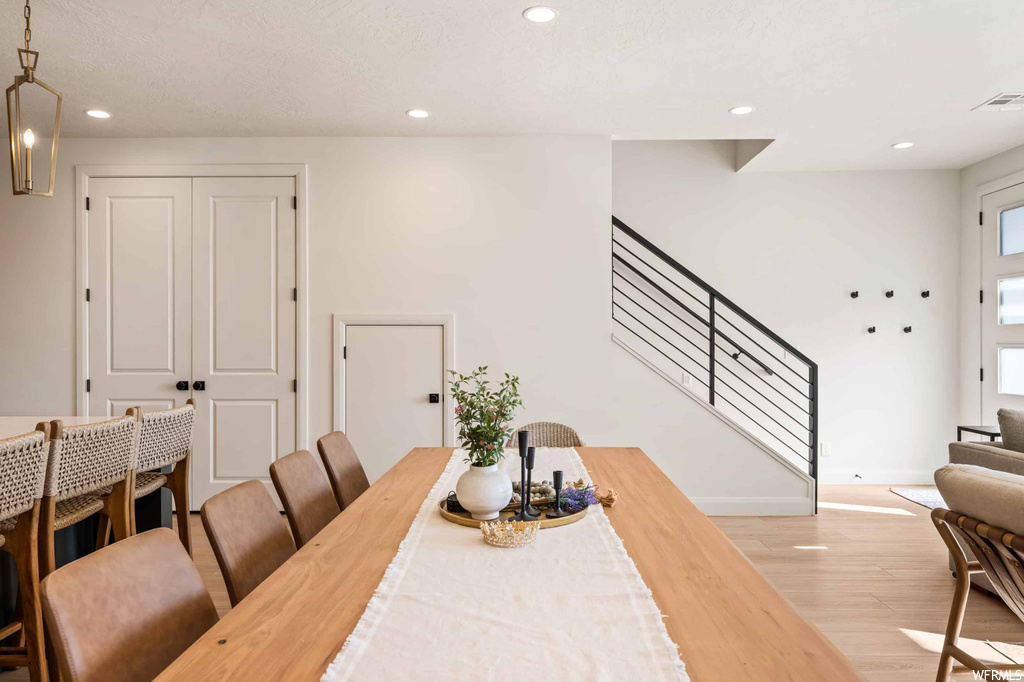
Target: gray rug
{"x":926,"y":497}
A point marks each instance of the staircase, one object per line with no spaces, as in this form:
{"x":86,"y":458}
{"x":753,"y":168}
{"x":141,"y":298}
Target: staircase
{"x":714,"y":352}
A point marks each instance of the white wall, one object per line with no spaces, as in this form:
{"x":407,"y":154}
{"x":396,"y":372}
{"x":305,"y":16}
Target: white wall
{"x":509,"y":234}
{"x":990,"y":170}
{"x":789,"y":248}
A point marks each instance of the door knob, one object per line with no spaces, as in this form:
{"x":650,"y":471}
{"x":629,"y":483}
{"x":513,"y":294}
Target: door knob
{"x":199,"y":385}
{"x":435,"y":397}
{"x":181,"y":385}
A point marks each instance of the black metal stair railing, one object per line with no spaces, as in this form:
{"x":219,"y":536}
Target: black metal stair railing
{"x":692,"y":333}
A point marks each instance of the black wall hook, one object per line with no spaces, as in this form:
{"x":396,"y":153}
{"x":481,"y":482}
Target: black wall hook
{"x":890,"y":293}
{"x":925,"y":294}
{"x":871,"y":330}
{"x":854,"y":294}
{"x":907,"y":329}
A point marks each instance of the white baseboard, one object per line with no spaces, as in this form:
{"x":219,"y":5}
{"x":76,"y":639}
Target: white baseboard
{"x":878,"y":476}
{"x":754,"y":506}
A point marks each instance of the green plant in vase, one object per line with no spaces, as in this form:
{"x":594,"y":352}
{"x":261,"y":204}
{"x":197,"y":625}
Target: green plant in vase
{"x":484,"y":416}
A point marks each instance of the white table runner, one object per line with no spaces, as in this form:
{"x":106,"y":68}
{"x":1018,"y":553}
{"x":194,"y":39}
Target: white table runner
{"x":571,"y":606}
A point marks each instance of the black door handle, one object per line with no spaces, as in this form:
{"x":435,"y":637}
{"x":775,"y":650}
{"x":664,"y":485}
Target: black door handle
{"x":435,"y":397}
{"x":199,"y":385}
{"x":181,"y":385}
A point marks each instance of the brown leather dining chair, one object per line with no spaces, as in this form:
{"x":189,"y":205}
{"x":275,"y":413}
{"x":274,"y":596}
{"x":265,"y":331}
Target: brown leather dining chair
{"x":344,"y":470}
{"x":248,"y":536}
{"x":307,"y":497}
{"x":125,"y":612}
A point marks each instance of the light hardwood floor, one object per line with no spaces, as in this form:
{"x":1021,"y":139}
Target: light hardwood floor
{"x":875,"y":582}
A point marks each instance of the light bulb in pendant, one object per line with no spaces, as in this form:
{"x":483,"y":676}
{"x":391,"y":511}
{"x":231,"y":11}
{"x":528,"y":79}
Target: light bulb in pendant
{"x":29,"y":137}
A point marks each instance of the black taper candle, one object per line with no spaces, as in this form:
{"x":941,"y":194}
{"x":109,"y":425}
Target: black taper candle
{"x":556,"y":509}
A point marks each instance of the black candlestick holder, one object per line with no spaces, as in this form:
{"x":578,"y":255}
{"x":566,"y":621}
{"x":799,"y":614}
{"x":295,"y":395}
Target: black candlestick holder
{"x":523,"y":514}
{"x":556,"y":511}
{"x":530,"y":509}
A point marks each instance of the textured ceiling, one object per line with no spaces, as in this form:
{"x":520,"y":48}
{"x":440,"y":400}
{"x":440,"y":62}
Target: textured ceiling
{"x":835,"y":82}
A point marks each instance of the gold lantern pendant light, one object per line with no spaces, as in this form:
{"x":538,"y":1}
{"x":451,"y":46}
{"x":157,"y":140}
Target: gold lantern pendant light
{"x":23,"y":140}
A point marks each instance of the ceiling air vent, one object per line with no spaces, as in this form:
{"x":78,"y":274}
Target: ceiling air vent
{"x":1008,"y":101}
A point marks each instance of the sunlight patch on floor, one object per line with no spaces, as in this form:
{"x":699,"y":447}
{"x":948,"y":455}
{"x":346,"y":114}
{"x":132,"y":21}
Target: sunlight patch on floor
{"x":895,"y":511}
{"x":809,"y":547}
{"x":933,"y":641}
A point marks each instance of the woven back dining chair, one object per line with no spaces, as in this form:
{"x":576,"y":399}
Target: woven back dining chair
{"x":987,"y":517}
{"x":84,"y":463}
{"x":125,"y":612}
{"x":344,"y":470}
{"x":548,"y":435}
{"x":165,"y":439}
{"x":22,"y":473}
{"x":305,"y":494}
{"x":248,"y":536}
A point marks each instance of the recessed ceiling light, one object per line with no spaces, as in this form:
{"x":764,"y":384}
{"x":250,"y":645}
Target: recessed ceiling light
{"x":96,"y":113}
{"x":540,"y":14}
{"x":418,"y":113}
{"x":739,"y":111}
{"x":903,"y":145}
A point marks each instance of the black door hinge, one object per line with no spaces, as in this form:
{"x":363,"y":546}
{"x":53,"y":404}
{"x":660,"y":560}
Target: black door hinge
{"x":295,"y":203}
{"x":295,"y":385}
{"x":981,"y":218}
{"x":295,"y":294}
{"x":87,"y":294}
{"x":87,"y":203}
{"x":344,"y":352}
{"x":981,"y":374}
{"x":88,"y":385}
{"x":981,"y":296}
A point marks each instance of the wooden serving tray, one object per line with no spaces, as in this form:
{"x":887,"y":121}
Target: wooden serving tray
{"x":464,"y":519}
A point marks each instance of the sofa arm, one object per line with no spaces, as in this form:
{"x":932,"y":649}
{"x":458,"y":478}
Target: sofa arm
{"x":988,"y":455}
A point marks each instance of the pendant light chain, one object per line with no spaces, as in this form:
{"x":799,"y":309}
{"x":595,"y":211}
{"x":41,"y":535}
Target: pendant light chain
{"x":28,"y":24}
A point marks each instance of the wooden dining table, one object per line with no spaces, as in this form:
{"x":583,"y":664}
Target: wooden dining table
{"x":728,"y":621}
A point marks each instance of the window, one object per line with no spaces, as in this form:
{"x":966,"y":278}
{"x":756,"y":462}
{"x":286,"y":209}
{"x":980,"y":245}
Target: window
{"x":1011,"y":300}
{"x":1011,"y":370}
{"x":1011,"y":231}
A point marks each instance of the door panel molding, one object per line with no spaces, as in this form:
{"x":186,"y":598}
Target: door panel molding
{"x":341,"y":320}
{"x":84,"y":173}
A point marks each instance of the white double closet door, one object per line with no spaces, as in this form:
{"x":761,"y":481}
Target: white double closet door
{"x":191,"y":285}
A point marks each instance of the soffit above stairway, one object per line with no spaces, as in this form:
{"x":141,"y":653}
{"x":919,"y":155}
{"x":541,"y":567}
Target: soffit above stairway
{"x":833,"y":83}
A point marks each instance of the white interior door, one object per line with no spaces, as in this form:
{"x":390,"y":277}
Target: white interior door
{"x":139,"y":310}
{"x":390,"y":373}
{"x":1002,"y":317}
{"x":244,"y":328}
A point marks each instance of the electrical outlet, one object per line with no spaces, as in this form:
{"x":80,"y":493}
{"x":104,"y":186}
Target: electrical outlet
{"x":825,"y":449}
{"x":687,"y":380}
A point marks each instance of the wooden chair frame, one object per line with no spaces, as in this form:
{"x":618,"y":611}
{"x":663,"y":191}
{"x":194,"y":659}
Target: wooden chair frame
{"x":947,"y":522}
{"x":22,"y":543}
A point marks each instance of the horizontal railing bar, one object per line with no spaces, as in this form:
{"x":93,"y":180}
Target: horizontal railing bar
{"x":700,"y":333}
{"x":657,"y":334}
{"x":671,"y":262}
{"x":768,"y":352}
{"x":667,"y":356}
{"x":723,"y":382}
{"x":769,"y":385}
{"x":758,"y":424}
{"x":676,"y":331}
{"x":659,"y":288}
{"x":767,"y":399}
{"x":669,"y":279}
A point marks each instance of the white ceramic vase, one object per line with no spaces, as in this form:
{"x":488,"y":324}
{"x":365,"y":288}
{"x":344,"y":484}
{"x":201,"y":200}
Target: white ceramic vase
{"x":484,"y":491}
